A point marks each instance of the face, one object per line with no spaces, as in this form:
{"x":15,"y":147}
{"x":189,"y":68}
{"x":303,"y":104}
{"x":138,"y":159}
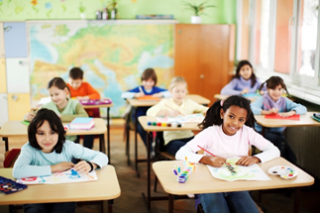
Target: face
{"x":245,"y":72}
{"x":179,"y":92}
{"x":59,"y":96}
{"x":233,"y":119}
{"x":75,"y":83}
{"x":148,"y":84}
{"x":275,"y":93}
{"x":46,"y":138}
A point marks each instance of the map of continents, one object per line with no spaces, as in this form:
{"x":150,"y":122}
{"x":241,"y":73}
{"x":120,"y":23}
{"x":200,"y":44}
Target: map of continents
{"x":112,"y":56}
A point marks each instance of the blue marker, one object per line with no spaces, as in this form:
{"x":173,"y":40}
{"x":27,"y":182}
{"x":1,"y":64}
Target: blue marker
{"x":175,"y":172}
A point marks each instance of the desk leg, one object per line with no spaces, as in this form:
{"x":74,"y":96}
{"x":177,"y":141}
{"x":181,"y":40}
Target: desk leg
{"x":136,"y":143}
{"x":108,"y":133}
{"x":5,"y":139}
{"x":102,"y":145}
{"x":148,"y":165}
{"x":296,"y":204}
{"x":170,"y":210}
{"x":110,"y":203}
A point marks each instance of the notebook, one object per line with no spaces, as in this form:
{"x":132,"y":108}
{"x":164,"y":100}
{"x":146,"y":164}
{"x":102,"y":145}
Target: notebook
{"x":277,"y":116}
{"x":96,"y":102}
{"x":82,"y":123}
{"x":148,"y":98}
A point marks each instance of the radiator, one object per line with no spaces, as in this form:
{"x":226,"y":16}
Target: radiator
{"x":305,"y":142}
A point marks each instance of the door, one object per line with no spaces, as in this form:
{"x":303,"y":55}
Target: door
{"x":18,"y":105}
{"x":17,"y":75}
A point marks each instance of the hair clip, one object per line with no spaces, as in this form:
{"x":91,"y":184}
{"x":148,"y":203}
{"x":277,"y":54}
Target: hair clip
{"x":221,"y":103}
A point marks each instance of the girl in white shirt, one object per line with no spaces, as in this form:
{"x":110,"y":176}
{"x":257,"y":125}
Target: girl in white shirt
{"x":228,"y":132}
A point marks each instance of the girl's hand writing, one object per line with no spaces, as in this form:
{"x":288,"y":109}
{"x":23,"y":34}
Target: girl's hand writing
{"x":287,"y":114}
{"x":247,"y":161}
{"x":213,"y":161}
{"x":30,"y":116}
{"x":158,"y":95}
{"x":244,"y":91}
{"x":84,"y":167}
{"x":139,"y":94}
{"x":60,"y":167}
{"x":261,"y":92}
{"x":273,"y":111}
{"x":174,"y":113}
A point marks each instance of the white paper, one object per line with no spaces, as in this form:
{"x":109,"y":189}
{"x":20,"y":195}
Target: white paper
{"x":70,"y":176}
{"x":44,"y":101}
{"x":253,"y":172}
{"x":194,"y":118}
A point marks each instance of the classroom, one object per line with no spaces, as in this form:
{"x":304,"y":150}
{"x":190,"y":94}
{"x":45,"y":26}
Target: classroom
{"x":137,"y":87}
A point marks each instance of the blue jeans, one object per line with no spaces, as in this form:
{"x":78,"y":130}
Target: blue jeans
{"x":68,"y":207}
{"x":280,"y":141}
{"x":228,"y":202}
{"x":173,"y":146}
{"x":87,"y":141}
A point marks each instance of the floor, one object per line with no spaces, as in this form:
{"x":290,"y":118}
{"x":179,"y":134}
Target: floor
{"x":132,"y":187}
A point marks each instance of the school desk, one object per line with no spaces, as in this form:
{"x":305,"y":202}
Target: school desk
{"x":13,"y":129}
{"x":108,"y":120}
{"x":105,"y":188}
{"x":149,"y":129}
{"x":201,"y":181}
{"x":136,"y":104}
{"x":305,"y":120}
{"x":224,"y":97}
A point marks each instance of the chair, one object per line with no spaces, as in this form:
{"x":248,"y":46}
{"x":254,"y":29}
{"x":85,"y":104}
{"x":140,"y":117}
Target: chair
{"x":10,"y":158}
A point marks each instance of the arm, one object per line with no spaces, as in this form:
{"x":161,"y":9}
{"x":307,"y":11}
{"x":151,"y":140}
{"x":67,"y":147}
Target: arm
{"x":166,"y":94}
{"x":297,"y":108}
{"x":197,"y":108}
{"x":229,"y":89}
{"x":256,"y":106}
{"x":92,"y":93}
{"x":79,"y":112}
{"x":98,"y":159}
{"x":130,"y":94}
{"x":22,"y":167}
{"x":158,"y":109}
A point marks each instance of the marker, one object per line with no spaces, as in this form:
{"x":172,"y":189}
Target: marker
{"x":175,"y":172}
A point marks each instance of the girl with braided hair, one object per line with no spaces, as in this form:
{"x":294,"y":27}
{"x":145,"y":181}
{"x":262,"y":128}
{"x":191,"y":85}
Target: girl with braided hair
{"x":228,"y":132}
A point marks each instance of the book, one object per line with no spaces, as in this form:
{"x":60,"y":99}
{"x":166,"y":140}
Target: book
{"x":193,"y":118}
{"x":96,"y":102}
{"x":148,"y":98}
{"x":315,"y":117}
{"x":277,"y":116}
{"x":82,"y":123}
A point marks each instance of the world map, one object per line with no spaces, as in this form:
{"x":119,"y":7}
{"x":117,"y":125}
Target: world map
{"x":112,"y":56}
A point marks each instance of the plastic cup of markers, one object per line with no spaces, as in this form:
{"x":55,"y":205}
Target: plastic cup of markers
{"x":285,"y":172}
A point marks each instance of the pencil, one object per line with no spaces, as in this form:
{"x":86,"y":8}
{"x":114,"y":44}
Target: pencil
{"x":206,"y":151}
{"x":141,"y":90}
{"x":174,"y":109}
{"x":266,"y":105}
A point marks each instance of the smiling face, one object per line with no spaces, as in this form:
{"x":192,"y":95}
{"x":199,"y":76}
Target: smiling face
{"x":75,"y":83}
{"x":245,"y":72}
{"x":59,"y":96}
{"x":46,"y":137}
{"x":148,"y":84}
{"x":179,"y":92}
{"x":275,"y":93}
{"x":233,"y":119}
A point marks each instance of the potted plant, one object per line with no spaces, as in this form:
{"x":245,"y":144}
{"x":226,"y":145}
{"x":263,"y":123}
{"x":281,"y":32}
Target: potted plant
{"x":198,"y":10}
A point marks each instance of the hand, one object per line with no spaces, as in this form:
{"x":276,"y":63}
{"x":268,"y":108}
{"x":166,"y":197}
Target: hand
{"x":273,"y":111}
{"x":287,"y":114}
{"x":30,"y":116}
{"x":244,"y":91}
{"x":174,"y":113}
{"x":247,"y":161}
{"x":158,"y":95}
{"x":60,"y":167}
{"x":261,"y":92}
{"x":139,"y":94}
{"x":84,"y":167}
{"x":213,"y":161}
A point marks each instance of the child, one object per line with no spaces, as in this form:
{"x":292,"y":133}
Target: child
{"x":149,"y":81}
{"x":175,"y":106}
{"x":274,"y":102}
{"x":227,"y":132}
{"x":82,"y":90}
{"x":47,"y":152}
{"x":245,"y":81}
{"x":67,"y":109}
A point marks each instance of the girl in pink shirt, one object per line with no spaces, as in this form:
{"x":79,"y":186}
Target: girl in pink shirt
{"x":228,"y":132}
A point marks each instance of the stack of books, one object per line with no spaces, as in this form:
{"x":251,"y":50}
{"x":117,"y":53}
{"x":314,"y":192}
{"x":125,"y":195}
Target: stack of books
{"x":316,"y":116}
{"x":82,"y":124}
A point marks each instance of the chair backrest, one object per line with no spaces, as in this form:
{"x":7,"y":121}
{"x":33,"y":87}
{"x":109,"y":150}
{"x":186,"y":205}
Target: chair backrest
{"x":10,"y":158}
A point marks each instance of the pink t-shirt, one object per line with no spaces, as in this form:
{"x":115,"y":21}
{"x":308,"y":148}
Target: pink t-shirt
{"x":217,"y":142}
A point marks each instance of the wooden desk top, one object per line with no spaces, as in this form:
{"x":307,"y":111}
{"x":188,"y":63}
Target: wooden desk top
{"x":136,"y":103}
{"x":305,"y":120}
{"x":16,"y":128}
{"x":105,"y":188}
{"x":144,"y":123}
{"x":224,"y":97}
{"x":201,"y":180}
{"x":97,"y":106}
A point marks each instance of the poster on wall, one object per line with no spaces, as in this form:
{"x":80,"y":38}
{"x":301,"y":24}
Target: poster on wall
{"x":112,"y":56}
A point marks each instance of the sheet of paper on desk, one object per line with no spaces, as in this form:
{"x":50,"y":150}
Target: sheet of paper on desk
{"x":277,"y":116}
{"x":194,"y":118}
{"x":70,"y":176}
{"x":253,"y":172}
